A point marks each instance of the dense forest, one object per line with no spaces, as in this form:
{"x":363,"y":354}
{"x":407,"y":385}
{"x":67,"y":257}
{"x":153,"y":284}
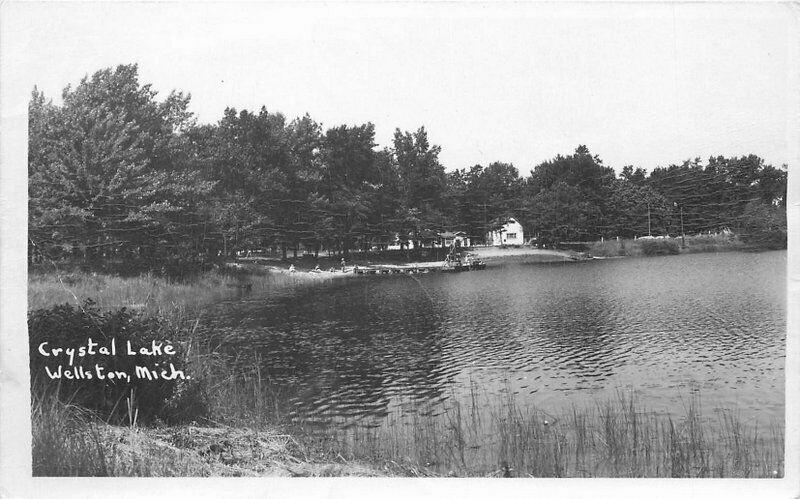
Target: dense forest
{"x":119,"y":178}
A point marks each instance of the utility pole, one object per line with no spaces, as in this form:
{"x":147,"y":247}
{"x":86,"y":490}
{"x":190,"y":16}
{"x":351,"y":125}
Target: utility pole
{"x":485,"y":222}
{"x":683,"y":233}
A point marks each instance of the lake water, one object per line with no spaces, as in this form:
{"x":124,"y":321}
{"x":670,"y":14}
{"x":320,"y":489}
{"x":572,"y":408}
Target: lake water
{"x":554,"y":334}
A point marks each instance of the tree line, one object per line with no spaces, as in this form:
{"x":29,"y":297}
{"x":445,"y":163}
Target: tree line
{"x":119,"y":178}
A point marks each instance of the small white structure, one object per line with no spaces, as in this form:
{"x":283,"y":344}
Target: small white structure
{"x":397,"y":244}
{"x":509,"y":233}
{"x":405,"y":243}
{"x":447,"y":239}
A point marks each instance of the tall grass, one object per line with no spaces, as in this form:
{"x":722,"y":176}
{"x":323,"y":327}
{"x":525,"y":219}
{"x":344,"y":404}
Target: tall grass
{"x":154,"y":295}
{"x":481,"y":436}
{"x":615,"y":438}
{"x":65,"y":442}
{"x":231,"y":397}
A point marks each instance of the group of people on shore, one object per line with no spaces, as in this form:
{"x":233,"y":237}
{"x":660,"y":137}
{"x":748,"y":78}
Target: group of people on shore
{"x":455,"y":260}
{"x":317,"y":269}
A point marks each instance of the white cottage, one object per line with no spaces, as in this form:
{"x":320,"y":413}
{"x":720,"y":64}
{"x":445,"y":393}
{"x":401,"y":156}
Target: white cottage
{"x":509,"y":233}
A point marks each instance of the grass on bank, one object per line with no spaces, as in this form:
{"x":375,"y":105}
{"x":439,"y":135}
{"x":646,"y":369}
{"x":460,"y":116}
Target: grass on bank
{"x":153,"y":295}
{"x":615,"y":438}
{"x":70,"y":441}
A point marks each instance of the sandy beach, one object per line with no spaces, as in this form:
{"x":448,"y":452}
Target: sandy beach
{"x":488,"y":253}
{"x":495,"y":252}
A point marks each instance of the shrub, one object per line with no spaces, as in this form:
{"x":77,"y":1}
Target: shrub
{"x":610,"y":247}
{"x":65,"y":326}
{"x":764,"y":225}
{"x":654,"y":247}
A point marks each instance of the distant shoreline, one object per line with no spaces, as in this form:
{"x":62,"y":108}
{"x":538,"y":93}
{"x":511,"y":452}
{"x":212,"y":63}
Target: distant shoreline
{"x":498,"y":252}
{"x":362,"y":260}
{"x":155,"y":295}
{"x":599,"y":250}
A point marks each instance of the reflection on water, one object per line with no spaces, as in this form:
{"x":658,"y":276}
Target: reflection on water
{"x":554,"y":334}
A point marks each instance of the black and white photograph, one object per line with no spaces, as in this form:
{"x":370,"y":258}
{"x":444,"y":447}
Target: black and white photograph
{"x":419,"y":248}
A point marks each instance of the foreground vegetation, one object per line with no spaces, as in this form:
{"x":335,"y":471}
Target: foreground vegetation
{"x":615,"y":438}
{"x":70,"y":441}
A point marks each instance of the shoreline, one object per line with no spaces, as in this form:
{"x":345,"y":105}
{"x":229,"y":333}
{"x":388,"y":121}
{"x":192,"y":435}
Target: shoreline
{"x":488,"y":253}
{"x":597,"y":250}
{"x":155,"y":295}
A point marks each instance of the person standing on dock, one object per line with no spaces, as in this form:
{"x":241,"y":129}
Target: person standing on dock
{"x":343,"y":265}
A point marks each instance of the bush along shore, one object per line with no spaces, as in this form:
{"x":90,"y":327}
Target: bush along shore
{"x":199,"y":416}
{"x":671,"y":245}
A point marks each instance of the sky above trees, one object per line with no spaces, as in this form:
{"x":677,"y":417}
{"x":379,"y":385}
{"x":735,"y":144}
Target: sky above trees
{"x":642,"y":85}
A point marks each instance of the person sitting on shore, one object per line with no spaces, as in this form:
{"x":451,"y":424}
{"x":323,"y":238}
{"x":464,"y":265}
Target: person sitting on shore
{"x":317,"y":269}
{"x":291,"y":268}
{"x":332,"y":270}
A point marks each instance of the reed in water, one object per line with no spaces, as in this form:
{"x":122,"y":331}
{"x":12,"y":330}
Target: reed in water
{"x":614,"y":438}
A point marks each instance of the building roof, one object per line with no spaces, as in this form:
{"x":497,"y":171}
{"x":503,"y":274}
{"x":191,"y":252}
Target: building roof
{"x":452,"y":234}
{"x":503,"y":220}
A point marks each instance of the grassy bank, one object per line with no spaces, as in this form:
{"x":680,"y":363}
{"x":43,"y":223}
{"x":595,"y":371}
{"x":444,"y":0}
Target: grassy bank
{"x":667,"y":246}
{"x":156,"y":296}
{"x":69,"y":441}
